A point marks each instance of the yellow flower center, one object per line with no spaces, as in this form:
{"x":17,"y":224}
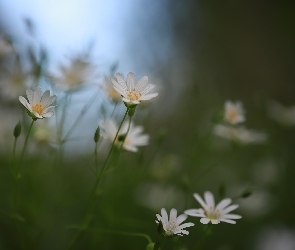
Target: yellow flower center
{"x":133,"y":95}
{"x":38,"y":108}
{"x":232,"y":115}
{"x":212,"y":214}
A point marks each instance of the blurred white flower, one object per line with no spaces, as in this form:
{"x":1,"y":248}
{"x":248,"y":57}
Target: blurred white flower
{"x":5,"y":47}
{"x":276,"y":239}
{"x":134,"y":138}
{"x":109,"y":89}
{"x":38,"y":107}
{"x":281,"y":114}
{"x":173,"y":225}
{"x":240,"y":134}
{"x":133,"y":93}
{"x":72,"y":76}
{"x":14,"y":81}
{"x":234,"y":112}
{"x":209,"y":212}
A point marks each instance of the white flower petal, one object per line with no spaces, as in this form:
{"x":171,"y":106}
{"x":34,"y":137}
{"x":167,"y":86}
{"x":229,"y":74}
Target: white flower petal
{"x":223,"y":203}
{"x":148,"y":97}
{"x":230,"y":208}
{"x":189,"y":224}
{"x":181,"y":218}
{"x":45,"y":98}
{"x":120,"y":80}
{"x":173,"y":214}
{"x":30,"y":95}
{"x":164,"y":215}
{"x":209,"y":198}
{"x":214,"y":222}
{"x":200,"y":200}
{"x":48,"y":114}
{"x":228,"y":221}
{"x":195,"y":212}
{"x":131,"y":81}
{"x":25,"y":103}
{"x":37,"y":95}
{"x":141,"y":83}
{"x":232,"y":216}
{"x":204,"y":220}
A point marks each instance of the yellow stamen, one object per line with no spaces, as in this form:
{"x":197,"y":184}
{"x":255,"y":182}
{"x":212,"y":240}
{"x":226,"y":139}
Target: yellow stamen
{"x":38,"y":108}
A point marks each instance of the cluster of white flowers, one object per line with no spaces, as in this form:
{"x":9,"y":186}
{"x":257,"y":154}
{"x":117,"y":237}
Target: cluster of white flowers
{"x":234,"y":114}
{"x":208,"y":213}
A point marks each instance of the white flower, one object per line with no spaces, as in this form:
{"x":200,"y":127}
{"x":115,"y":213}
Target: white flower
{"x":172,"y":226}
{"x":109,"y":89}
{"x":133,"y":93}
{"x":284,"y":115}
{"x":76,"y":73}
{"x":134,"y":137}
{"x":211,"y":213}
{"x":240,"y":134}
{"x":234,"y":112}
{"x":37,"y":106}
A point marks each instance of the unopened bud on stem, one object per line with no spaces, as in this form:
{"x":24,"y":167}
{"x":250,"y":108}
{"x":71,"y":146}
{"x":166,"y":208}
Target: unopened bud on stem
{"x":97,"y":135}
{"x":17,"y":130}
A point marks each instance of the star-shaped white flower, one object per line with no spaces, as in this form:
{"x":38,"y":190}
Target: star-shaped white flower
{"x":134,"y":138}
{"x":133,"y":93}
{"x":214,"y":214}
{"x":38,"y":107}
{"x":234,"y":112}
{"x":173,"y":225}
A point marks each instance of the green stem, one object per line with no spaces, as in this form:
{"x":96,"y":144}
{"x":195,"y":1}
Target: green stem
{"x":114,"y":110}
{"x":157,"y":244}
{"x":205,"y":235}
{"x":95,"y":156}
{"x":24,"y":147}
{"x":78,"y":119}
{"x":92,"y":195}
{"x":13,"y":155}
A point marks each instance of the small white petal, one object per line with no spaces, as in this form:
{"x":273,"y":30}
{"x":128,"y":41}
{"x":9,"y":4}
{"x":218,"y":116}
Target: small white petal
{"x":173,"y":214}
{"x":37,"y":95}
{"x":181,"y":218}
{"x":230,"y":208}
{"x":131,"y":81}
{"x":228,"y":221}
{"x":25,"y":103}
{"x":214,"y":222}
{"x":204,"y":220}
{"x":148,"y":97}
{"x":200,"y":200}
{"x":45,"y":98}
{"x":209,"y":198}
{"x":232,"y":216}
{"x":222,"y":204}
{"x":30,"y":95}
{"x":48,"y":114}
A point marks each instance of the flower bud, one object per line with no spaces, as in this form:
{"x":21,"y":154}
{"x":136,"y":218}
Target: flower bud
{"x":247,"y":192}
{"x":17,"y":130}
{"x":97,"y":135}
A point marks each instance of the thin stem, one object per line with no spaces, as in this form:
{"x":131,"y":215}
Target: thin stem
{"x":157,"y":244}
{"x":95,"y":156}
{"x":92,"y":195}
{"x":24,"y":147}
{"x":114,"y":110}
{"x":13,"y":155}
{"x":78,"y":119}
{"x":205,"y":235}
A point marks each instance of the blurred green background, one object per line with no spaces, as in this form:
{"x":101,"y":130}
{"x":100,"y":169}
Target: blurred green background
{"x":199,"y":54}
